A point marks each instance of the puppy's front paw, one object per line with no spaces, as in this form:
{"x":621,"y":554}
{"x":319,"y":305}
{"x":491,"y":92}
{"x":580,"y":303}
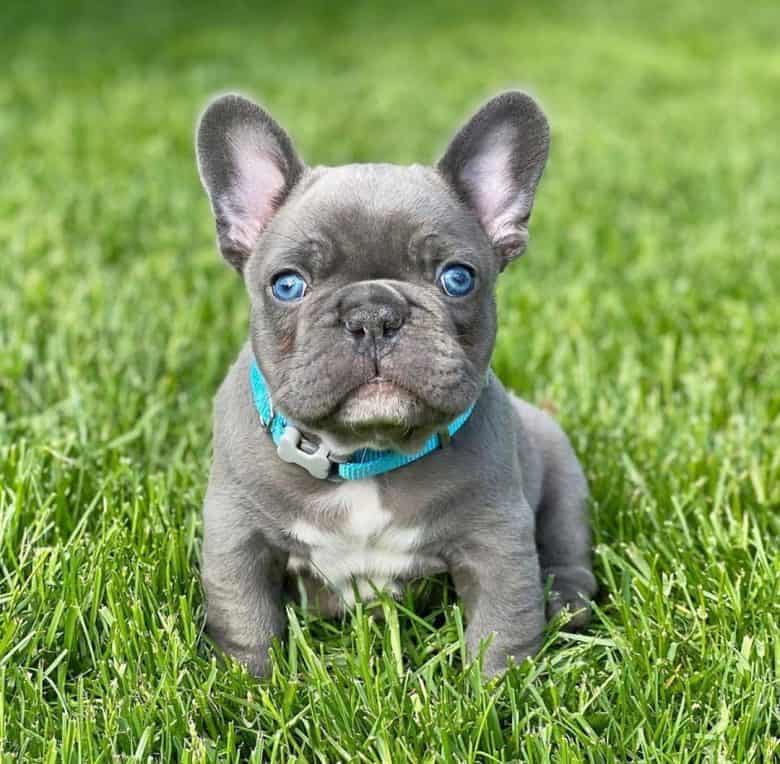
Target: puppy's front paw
{"x":256,"y":659}
{"x":257,"y":663}
{"x":571,"y":591}
{"x":496,"y":658}
{"x":496,"y":665}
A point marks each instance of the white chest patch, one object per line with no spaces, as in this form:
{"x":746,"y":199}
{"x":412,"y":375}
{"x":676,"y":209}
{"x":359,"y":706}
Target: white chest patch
{"x":356,"y":540}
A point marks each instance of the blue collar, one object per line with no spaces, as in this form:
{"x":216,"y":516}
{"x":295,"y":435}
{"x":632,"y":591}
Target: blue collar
{"x":293,"y":447}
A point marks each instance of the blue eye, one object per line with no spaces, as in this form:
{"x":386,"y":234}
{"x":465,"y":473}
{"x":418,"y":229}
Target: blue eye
{"x":288,"y":286}
{"x":457,"y":280}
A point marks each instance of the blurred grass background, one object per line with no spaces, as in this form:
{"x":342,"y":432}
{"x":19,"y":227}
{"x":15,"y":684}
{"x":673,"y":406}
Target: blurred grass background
{"x":646,"y":312}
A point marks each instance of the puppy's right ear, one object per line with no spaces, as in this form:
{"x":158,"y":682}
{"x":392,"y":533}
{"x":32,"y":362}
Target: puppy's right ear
{"x":248,"y":165}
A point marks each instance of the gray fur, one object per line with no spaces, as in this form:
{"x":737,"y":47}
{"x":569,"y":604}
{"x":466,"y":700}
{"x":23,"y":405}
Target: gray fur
{"x":504,"y":505}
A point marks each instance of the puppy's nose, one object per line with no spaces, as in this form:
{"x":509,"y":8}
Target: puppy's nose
{"x":374,"y":321}
{"x":373,"y":311}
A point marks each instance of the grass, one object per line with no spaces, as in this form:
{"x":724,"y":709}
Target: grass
{"x":646,"y":312}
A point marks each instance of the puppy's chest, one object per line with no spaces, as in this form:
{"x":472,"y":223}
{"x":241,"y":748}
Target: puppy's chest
{"x":350,"y":535}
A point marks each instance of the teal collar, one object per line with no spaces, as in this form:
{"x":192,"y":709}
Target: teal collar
{"x":294,"y":447}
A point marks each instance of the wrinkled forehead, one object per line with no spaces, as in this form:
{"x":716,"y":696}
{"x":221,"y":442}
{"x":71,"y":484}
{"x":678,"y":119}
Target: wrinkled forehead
{"x":378,"y":211}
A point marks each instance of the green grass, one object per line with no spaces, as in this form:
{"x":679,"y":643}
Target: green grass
{"x":646,"y":311}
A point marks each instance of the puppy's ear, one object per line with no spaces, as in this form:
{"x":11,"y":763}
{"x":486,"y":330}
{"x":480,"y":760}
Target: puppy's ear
{"x":248,"y":165}
{"x":494,"y":164}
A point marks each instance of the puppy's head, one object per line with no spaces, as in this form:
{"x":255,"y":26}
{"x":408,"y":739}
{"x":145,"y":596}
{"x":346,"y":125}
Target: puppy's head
{"x":373,"y":314}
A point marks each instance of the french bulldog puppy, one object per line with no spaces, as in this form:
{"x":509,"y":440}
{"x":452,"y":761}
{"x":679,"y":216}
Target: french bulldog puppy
{"x":372,"y":323}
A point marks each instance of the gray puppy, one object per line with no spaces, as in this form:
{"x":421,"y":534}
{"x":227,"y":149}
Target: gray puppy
{"x":360,"y":439}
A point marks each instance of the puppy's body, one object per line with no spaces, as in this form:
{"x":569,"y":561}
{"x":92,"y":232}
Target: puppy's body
{"x":501,"y":508}
{"x":374,"y":354}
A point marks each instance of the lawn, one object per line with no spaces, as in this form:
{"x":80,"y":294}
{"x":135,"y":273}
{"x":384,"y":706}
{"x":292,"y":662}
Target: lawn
{"x":646,"y":313}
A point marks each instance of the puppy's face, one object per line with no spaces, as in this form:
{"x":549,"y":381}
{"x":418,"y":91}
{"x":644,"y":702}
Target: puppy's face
{"x":351,"y":316}
{"x":373,"y":315}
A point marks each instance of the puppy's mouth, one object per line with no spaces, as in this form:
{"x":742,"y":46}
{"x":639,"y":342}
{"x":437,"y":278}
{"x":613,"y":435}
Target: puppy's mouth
{"x":379,"y":402}
{"x":384,"y":414}
{"x":377,"y":389}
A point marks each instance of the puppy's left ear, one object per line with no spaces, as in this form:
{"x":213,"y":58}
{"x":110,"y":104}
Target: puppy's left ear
{"x":494,"y":164}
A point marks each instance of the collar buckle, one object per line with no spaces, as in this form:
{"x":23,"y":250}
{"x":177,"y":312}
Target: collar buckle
{"x":315,"y":462}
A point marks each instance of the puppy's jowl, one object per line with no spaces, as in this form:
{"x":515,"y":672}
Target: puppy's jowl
{"x":360,"y":439}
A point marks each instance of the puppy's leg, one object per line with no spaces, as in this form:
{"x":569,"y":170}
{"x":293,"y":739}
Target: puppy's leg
{"x":242,"y":578}
{"x":562,"y":529}
{"x":496,"y":574}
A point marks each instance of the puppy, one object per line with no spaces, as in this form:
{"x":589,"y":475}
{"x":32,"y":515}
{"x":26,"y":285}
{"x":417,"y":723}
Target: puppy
{"x":360,"y":439}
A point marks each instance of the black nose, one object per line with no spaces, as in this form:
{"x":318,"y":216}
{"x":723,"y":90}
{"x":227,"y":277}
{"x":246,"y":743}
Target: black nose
{"x":374,"y":321}
{"x":372,"y":312}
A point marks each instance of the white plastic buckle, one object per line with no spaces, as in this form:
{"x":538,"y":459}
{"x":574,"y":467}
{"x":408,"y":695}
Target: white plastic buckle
{"x":316,"y":463}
